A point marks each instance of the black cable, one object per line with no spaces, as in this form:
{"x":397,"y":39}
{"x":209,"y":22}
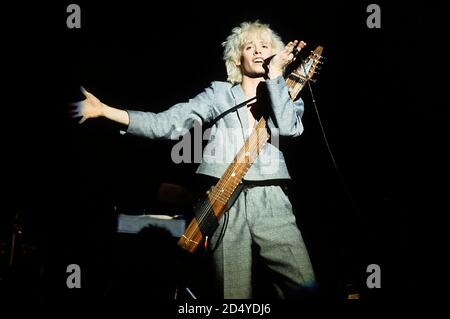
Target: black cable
{"x":330,"y":152}
{"x":234,"y":108}
{"x":295,"y":52}
{"x":222,"y":233}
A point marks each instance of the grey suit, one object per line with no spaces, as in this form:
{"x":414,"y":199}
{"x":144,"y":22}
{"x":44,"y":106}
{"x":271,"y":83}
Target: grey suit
{"x":262,"y":215}
{"x":214,"y":100}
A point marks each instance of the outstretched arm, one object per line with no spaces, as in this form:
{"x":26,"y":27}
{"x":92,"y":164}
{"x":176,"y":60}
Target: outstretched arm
{"x":167,"y":125}
{"x":92,"y":107}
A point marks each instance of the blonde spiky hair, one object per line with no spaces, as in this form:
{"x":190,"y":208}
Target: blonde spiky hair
{"x":237,"y":39}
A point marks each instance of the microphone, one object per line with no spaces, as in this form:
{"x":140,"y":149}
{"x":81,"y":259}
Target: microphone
{"x":300,"y":45}
{"x":295,"y":52}
{"x":267,"y":61}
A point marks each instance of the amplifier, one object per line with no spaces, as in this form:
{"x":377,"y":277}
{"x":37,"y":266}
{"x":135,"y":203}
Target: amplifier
{"x":132,"y":224}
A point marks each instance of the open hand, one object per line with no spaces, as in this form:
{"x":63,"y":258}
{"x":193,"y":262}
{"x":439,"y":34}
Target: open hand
{"x":285,"y":57}
{"x":91,"y":107}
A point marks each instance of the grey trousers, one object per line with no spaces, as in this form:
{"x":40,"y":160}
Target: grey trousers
{"x":261,"y":216}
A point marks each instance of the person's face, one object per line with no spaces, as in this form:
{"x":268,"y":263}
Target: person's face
{"x":254,"y":52}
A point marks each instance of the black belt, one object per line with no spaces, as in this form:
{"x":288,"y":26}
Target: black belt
{"x":206,"y":181}
{"x":267,"y":182}
{"x":283,"y":183}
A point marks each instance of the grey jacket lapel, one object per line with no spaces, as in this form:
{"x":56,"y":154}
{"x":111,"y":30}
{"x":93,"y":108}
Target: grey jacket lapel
{"x":239,"y":97}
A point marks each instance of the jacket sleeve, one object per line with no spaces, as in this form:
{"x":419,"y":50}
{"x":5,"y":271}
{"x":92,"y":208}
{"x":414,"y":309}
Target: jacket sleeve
{"x":175,"y":121}
{"x":287,"y":113}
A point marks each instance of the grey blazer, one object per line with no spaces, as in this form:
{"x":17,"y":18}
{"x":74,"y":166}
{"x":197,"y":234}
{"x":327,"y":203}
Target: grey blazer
{"x":228,"y":134}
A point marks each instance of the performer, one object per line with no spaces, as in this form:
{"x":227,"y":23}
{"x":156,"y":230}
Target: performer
{"x":262,"y":216}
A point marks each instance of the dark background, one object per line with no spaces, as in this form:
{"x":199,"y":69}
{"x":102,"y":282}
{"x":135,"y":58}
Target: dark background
{"x":379,"y":96}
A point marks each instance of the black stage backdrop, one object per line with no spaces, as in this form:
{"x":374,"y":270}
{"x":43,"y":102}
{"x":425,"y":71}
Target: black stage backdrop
{"x":378,"y":96}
